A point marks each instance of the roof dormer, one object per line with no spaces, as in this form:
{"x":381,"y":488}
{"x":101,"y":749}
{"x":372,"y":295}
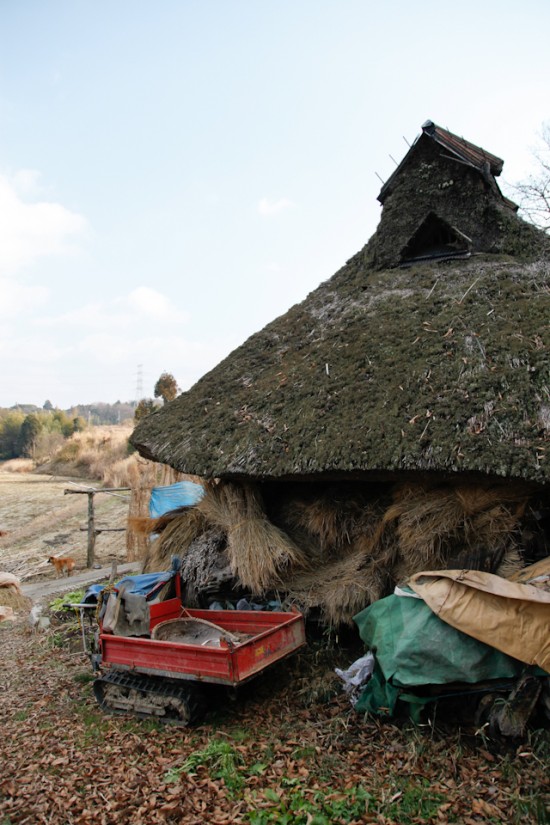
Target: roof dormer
{"x":442,"y":201}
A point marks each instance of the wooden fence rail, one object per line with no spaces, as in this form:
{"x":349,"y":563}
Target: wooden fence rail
{"x":91,"y":529}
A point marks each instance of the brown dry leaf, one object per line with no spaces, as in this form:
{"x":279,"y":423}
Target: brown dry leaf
{"x":444,"y":807}
{"x":62,"y":753}
{"x":480,"y":806}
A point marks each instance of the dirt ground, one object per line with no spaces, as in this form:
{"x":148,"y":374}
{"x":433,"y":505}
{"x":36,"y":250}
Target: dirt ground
{"x":288,"y":749}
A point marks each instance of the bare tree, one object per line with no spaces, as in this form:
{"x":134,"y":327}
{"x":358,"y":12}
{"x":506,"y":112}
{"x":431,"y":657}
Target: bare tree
{"x":534,"y":192}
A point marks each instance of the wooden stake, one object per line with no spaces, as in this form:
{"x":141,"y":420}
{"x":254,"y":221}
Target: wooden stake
{"x":91,"y":531}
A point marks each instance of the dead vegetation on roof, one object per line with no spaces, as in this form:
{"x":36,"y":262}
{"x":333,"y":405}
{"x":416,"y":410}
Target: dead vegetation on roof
{"x":441,"y":364}
{"x":470,"y":204}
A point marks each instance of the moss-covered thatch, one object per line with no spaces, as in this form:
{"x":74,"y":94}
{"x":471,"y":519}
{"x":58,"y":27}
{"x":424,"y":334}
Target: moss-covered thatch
{"x":442,"y":365}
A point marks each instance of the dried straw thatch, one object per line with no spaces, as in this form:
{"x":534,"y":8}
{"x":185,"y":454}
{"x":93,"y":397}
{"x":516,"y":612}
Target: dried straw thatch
{"x":11,"y":598}
{"x":387,"y":368}
{"x":145,"y":526}
{"x":344,"y":586}
{"x":339,"y":549}
{"x":10,"y":593}
{"x":433,"y":525}
{"x":424,"y":528}
{"x":259,"y":552}
{"x":175,"y":539}
{"x":328,"y":523}
{"x":142,"y":477}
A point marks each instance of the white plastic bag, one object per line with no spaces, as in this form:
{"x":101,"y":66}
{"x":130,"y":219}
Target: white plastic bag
{"x":356,"y":676}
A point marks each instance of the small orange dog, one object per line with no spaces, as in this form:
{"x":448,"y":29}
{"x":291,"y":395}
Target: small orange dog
{"x":62,"y":566}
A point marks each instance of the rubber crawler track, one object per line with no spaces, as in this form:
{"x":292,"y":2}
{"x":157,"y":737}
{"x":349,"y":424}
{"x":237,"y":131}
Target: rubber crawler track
{"x":170,"y":701}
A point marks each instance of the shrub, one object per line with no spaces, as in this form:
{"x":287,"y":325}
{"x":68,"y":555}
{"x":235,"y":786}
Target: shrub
{"x":10,"y":428}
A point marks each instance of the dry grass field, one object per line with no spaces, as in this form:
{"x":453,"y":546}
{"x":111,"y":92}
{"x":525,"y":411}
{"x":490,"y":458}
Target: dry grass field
{"x":41,"y":520}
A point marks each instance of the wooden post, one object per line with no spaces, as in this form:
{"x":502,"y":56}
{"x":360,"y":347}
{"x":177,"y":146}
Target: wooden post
{"x":91,"y":531}
{"x":91,"y":528}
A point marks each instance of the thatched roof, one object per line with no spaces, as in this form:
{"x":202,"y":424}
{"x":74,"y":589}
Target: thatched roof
{"x":428,"y":350}
{"x":456,"y":148}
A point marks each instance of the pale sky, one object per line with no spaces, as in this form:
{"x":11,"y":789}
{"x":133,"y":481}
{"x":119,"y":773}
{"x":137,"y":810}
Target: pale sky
{"x":176,"y":174}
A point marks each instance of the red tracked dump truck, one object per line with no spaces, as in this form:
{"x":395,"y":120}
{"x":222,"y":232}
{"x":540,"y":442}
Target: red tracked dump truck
{"x":165,"y":673}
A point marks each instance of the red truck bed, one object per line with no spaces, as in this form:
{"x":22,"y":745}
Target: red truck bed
{"x":271,"y":637}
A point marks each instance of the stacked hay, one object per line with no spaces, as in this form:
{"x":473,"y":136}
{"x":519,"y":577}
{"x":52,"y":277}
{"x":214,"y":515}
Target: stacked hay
{"x":342,"y":525}
{"x":177,"y":531}
{"x":338,"y":551}
{"x":12,"y":599}
{"x":328,"y":524}
{"x":461,"y":525}
{"x":424,"y":528}
{"x":260,"y":554}
{"x":142,"y":477}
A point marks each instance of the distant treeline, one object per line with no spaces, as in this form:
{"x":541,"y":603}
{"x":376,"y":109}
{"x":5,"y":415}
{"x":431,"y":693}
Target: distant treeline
{"x":34,"y":432}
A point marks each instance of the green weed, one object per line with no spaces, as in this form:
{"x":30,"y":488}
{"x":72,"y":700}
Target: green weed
{"x":95,"y":724}
{"x":413,"y":802}
{"x":68,"y":598}
{"x":539,"y":741}
{"x":239,"y":735}
{"x":220,"y":759}
{"x":56,"y":640}
{"x":302,"y":807}
{"x":304,"y":752}
{"x":141,"y":726}
{"x":6,"y":627}
{"x":530,"y":809}
{"x":257,"y":769}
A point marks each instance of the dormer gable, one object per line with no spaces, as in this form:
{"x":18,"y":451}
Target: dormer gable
{"x":442,"y":201}
{"x":456,"y":149}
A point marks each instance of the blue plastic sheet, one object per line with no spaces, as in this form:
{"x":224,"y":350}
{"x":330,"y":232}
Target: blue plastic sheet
{"x":182,"y":494}
{"x":142,"y":585}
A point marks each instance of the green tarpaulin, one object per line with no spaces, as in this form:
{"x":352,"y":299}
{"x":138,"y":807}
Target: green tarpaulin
{"x":414,"y":648}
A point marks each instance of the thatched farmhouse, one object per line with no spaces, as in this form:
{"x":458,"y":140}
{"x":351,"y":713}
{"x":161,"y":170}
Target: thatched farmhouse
{"x":398,"y":419}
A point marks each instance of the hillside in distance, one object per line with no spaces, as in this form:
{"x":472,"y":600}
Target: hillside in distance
{"x":98,"y":412}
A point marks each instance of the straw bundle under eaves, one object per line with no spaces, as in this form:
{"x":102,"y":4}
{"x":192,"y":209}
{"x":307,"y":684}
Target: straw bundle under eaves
{"x":259,"y":552}
{"x":175,"y":539}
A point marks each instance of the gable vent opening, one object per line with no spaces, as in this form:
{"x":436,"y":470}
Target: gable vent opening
{"x":436,"y":239}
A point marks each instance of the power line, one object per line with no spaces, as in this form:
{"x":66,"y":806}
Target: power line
{"x":139,"y":383}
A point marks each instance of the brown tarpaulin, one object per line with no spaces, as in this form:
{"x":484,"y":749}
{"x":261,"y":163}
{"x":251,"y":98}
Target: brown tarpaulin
{"x":513,"y":618}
